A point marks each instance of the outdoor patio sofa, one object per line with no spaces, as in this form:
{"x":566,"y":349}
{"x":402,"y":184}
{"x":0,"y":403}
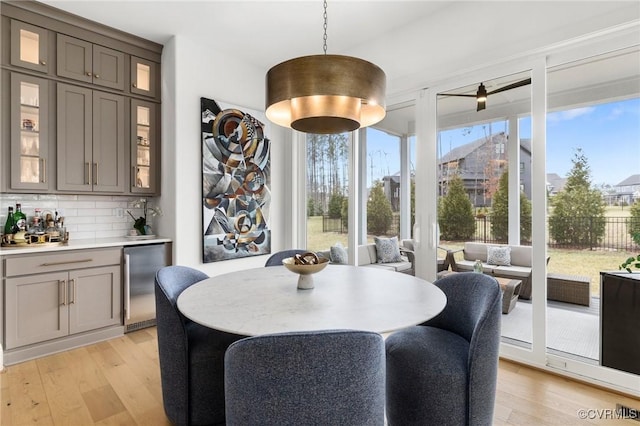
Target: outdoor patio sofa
{"x":368,"y":256}
{"x":519,"y":267}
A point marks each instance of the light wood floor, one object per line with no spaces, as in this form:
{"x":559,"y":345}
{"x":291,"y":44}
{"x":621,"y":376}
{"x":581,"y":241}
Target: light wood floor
{"x":117,"y":382}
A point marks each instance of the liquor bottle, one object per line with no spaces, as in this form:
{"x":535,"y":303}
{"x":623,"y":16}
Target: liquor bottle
{"x":10,"y":224}
{"x":20,"y":218}
{"x":477,"y":267}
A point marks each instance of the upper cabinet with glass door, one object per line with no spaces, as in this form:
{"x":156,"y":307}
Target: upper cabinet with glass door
{"x":144,"y":77}
{"x":29,"y":46}
{"x":144,"y":147}
{"x":29,"y":132}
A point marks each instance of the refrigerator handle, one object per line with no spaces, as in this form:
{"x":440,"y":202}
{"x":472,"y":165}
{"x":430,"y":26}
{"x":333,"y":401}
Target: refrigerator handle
{"x":127,"y":287}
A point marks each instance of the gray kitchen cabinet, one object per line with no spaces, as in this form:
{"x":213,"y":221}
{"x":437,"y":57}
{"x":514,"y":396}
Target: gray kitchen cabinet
{"x":91,"y":140}
{"x":51,"y":296}
{"x":29,"y":46}
{"x":89,"y":63}
{"x":29,"y":133}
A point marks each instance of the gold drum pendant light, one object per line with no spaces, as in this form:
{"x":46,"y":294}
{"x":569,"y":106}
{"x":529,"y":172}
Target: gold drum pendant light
{"x":325,"y":93}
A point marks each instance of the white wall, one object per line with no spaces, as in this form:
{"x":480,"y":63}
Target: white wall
{"x":190,"y":71}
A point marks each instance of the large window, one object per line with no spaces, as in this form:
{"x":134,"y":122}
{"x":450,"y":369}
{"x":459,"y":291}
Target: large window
{"x":327,"y":190}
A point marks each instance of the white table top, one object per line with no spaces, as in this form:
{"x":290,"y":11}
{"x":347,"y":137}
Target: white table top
{"x":266,"y":300}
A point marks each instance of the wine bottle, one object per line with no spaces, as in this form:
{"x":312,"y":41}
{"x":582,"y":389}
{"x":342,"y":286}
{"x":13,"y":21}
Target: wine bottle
{"x":10,"y":224}
{"x":20,"y":218}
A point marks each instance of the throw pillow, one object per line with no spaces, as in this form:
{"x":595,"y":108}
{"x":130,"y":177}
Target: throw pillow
{"x":387,"y":250}
{"x":500,"y":256}
{"x":338,"y":254}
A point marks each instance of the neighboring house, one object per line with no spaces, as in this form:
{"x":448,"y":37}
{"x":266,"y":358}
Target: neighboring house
{"x":555,"y":183}
{"x":480,"y":164}
{"x":627,"y":191}
{"x":392,"y":190}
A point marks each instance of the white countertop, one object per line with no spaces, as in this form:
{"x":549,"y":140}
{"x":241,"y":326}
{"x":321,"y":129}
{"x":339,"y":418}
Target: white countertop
{"x":82,"y":244}
{"x":266,"y":300}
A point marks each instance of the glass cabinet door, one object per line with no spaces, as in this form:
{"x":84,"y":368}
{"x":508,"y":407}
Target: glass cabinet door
{"x":143,"y":77}
{"x":29,"y":131}
{"x":144,"y":145}
{"x":29,"y":46}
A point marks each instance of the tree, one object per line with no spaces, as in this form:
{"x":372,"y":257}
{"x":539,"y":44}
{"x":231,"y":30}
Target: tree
{"x":379,"y":212}
{"x":455,"y":212}
{"x":578,"y":211}
{"x":500,"y":216}
{"x":311,"y":210}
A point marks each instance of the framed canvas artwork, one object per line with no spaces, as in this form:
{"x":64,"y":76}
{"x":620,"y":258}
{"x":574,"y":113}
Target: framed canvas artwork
{"x":235,"y":183}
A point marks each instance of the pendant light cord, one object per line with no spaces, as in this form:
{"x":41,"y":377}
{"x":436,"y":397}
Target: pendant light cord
{"x":324,"y":46}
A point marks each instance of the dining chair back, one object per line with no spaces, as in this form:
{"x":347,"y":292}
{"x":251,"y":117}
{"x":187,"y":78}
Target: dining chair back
{"x":306,"y":378}
{"x":191,"y":356}
{"x":277,"y":258}
{"x":444,"y":371}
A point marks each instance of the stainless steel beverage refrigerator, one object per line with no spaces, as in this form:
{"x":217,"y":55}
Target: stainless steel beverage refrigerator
{"x":141,"y":262}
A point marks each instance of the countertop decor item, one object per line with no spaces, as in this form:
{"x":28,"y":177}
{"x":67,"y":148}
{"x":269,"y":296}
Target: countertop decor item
{"x":140,"y":224}
{"x":305,"y":265}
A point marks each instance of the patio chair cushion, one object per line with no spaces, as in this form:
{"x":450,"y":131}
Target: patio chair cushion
{"x":338,"y":254}
{"x":499,"y":255}
{"x":387,"y":249}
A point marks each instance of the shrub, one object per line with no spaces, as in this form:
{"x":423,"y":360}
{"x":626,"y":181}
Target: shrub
{"x":500,"y":217}
{"x":455,"y":213}
{"x":633,"y":223}
{"x":379,"y":212}
{"x":335,"y":205}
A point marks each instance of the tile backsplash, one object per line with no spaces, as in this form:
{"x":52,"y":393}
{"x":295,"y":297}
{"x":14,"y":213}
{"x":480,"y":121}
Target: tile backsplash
{"x":85,"y":216}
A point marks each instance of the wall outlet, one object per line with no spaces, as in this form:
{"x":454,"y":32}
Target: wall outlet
{"x":119,"y":212}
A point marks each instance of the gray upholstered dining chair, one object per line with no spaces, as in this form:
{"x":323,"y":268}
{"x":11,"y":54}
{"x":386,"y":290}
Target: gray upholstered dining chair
{"x":191,"y":356}
{"x":444,"y":371}
{"x":332,"y":377}
{"x":276,"y":258}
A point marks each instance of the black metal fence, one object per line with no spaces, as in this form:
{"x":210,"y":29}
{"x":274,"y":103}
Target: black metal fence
{"x":330,"y":224}
{"x":616,"y":233}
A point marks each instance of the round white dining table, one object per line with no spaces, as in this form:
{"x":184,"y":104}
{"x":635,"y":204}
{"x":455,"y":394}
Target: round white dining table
{"x":266,"y":300}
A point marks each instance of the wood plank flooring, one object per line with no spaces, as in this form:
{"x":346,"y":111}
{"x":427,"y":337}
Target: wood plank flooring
{"x":117,"y":382}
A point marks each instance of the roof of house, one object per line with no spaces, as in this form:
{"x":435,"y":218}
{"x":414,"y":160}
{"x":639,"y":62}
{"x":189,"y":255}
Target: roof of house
{"x":631,"y":180}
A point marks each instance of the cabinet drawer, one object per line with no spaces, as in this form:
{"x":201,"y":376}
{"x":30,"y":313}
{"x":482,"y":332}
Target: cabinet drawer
{"x":51,"y":262}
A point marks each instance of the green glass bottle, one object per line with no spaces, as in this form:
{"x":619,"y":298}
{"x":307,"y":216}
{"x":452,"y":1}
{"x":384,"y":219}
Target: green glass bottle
{"x":20,"y":218}
{"x":10,"y":224}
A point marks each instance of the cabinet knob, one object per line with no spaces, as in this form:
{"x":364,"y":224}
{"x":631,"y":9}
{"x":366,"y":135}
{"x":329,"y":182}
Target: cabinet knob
{"x":88,"y":73}
{"x":134,"y":85}
{"x":97,"y":76}
{"x":43,"y":62}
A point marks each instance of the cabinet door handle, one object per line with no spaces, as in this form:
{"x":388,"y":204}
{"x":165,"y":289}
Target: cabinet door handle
{"x":43,"y":178}
{"x":88,"y":73}
{"x":43,"y":62}
{"x":66,"y":262}
{"x":64,"y":292}
{"x":87,"y":169}
{"x":95,"y":173}
{"x":73,"y":288}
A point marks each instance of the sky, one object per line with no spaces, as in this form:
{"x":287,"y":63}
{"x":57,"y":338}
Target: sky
{"x":608,"y":134}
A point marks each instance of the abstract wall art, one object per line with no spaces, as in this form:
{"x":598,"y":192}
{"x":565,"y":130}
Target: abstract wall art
{"x":236,"y":169}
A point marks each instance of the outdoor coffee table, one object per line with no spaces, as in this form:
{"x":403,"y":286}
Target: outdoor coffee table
{"x":510,"y":290}
{"x":510,"y":293}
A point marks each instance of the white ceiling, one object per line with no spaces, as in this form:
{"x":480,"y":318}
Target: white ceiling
{"x":413,"y":41}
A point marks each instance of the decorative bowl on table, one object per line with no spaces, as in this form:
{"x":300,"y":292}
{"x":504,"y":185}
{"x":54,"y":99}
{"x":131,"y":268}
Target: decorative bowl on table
{"x":305,"y":265}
